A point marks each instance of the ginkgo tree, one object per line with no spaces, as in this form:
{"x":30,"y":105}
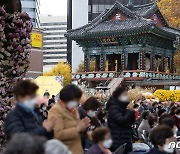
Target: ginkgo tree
{"x":61,"y":69}
{"x":170,"y":9}
{"x":91,"y":68}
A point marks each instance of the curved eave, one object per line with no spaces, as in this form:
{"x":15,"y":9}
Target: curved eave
{"x":151,"y":28}
{"x":115,"y":33}
{"x":158,"y":31}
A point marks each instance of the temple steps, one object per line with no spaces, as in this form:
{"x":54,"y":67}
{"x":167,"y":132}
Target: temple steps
{"x":115,"y":82}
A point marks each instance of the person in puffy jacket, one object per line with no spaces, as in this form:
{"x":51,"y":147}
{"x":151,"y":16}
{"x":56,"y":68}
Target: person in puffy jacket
{"x":23,"y":118}
{"x":68,"y":127}
{"x":120,"y":119}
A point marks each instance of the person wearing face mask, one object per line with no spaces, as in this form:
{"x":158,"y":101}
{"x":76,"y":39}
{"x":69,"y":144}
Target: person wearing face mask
{"x":169,"y":121}
{"x":68,"y":126}
{"x":88,"y":109}
{"x":102,"y":141}
{"x":23,"y":118}
{"x":120,"y":119}
{"x":160,"y":137}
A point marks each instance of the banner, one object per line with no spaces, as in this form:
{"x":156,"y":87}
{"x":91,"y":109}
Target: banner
{"x":36,"y":40}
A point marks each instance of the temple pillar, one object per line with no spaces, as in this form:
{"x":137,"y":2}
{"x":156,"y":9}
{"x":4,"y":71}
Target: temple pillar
{"x":163,"y":61}
{"x":86,"y":62}
{"x":172,"y":64}
{"x":102,"y":62}
{"x":152,"y":61}
{"x":142,"y":60}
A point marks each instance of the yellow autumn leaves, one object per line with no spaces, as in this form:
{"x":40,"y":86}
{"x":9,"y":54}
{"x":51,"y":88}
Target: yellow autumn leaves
{"x":168,"y":95}
{"x":61,"y":69}
{"x":170,"y":10}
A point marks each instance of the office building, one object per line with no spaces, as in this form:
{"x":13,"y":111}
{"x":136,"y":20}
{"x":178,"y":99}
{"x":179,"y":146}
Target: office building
{"x":95,"y":7}
{"x":54,"y":41}
{"x":36,"y":58}
{"x":31,"y":7}
{"x":79,"y":13}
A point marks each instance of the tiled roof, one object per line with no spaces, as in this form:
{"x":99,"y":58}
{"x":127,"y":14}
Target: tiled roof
{"x":137,"y":21}
{"x":117,"y":25}
{"x":108,"y":27}
{"x":142,"y":10}
{"x":172,"y":30}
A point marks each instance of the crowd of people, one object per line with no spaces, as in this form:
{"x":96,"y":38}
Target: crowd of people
{"x":72,"y":125}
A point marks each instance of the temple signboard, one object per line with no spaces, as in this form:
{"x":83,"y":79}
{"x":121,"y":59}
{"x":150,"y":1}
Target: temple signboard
{"x":110,"y":40}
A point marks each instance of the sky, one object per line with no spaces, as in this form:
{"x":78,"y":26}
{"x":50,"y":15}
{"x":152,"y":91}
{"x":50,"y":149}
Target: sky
{"x":53,"y":7}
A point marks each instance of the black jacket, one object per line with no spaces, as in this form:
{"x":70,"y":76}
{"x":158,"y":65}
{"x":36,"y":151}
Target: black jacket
{"x":120,"y":120}
{"x":21,"y":121}
{"x":86,"y":143}
{"x":156,"y":151}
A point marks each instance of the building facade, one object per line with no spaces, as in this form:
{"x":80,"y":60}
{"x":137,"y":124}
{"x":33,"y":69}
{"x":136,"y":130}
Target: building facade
{"x":96,"y":7}
{"x":80,"y":12}
{"x":31,"y":7}
{"x":79,"y":18}
{"x":128,"y":42}
{"x":54,"y":41}
{"x":36,"y":57}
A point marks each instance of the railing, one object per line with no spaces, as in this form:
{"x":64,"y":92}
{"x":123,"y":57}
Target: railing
{"x":150,"y":74}
{"x":95,"y":75}
{"x":128,"y":75}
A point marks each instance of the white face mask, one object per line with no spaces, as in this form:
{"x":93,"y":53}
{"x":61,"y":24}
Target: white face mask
{"x":72,"y":104}
{"x":91,"y":113}
{"x":107,"y":143}
{"x":175,"y":131}
{"x":44,"y":108}
{"x":124,"y":99}
{"x":178,"y":116}
{"x":30,"y":103}
{"x":168,"y":149}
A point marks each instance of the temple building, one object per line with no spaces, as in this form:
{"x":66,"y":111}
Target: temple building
{"x":131,"y":42}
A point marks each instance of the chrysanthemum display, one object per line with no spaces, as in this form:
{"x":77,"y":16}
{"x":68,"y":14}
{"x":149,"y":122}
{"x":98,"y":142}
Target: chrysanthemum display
{"x":168,"y":95}
{"x":15,"y":50}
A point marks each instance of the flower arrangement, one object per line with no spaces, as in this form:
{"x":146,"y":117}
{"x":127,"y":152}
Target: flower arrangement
{"x":168,"y":95}
{"x":15,"y":50}
{"x":140,"y":93}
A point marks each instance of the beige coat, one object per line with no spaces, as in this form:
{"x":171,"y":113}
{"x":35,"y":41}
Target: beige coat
{"x":65,"y":128}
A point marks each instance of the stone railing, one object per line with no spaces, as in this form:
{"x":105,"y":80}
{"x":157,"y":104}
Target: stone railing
{"x":128,"y":75}
{"x":95,"y":75}
{"x":150,"y":74}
